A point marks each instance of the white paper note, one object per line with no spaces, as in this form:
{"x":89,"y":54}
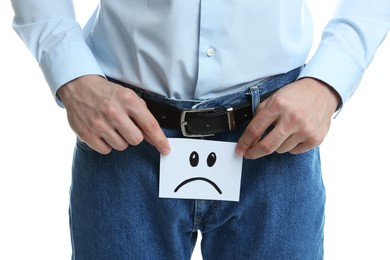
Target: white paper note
{"x":200,"y":169}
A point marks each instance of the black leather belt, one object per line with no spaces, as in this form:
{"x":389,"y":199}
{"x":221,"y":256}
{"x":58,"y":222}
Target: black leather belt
{"x":199,"y":122}
{"x":203,"y":122}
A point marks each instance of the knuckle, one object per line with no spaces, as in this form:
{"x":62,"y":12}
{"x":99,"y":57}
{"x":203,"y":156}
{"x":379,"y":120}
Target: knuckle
{"x":280,"y":102}
{"x":135,"y":137}
{"x":109,"y":110}
{"x":317,"y":140}
{"x":97,"y":125}
{"x":312,"y":137}
{"x":266,"y":147}
{"x":253,"y":130}
{"x":310,"y":133}
{"x":152,"y":126}
{"x":251,"y":157}
{"x":136,"y":140}
{"x":83,"y":133}
{"x":105,"y":151}
{"x":297,"y":118}
{"x":242,"y":142}
{"x":129,"y":96}
{"x":122,"y":147}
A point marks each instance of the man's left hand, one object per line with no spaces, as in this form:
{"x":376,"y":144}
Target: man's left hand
{"x":300,"y":115}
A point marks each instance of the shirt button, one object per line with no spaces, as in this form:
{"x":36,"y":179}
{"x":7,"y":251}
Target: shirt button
{"x":210,"y":52}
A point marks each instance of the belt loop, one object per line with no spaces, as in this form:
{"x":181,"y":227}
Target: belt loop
{"x":255,"y":96}
{"x":231,"y":118}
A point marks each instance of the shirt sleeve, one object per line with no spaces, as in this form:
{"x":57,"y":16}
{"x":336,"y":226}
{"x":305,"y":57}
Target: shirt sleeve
{"x":55,"y":39}
{"x":349,"y":43}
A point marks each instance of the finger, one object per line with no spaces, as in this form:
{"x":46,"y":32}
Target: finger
{"x":98,"y":144}
{"x":303,"y":140}
{"x":150,"y":127}
{"x":103,"y":136}
{"x":308,"y":143}
{"x":301,"y":148}
{"x":116,"y":140}
{"x":163,"y":152}
{"x":130,"y":131}
{"x":253,"y":133}
{"x":156,"y":136}
{"x":268,"y":144}
{"x":289,"y":144}
{"x":92,"y":138}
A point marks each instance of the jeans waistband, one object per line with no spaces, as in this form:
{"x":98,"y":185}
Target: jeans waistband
{"x":201,"y":118}
{"x":253,"y":93}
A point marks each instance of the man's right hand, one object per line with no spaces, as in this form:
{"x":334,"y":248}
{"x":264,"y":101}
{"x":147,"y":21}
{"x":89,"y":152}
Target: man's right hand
{"x":108,"y":116}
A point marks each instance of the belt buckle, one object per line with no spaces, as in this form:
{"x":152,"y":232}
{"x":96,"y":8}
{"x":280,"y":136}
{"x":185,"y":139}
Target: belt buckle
{"x":183,"y":121}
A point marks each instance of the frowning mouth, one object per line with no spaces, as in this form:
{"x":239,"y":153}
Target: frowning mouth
{"x":198,"y":179}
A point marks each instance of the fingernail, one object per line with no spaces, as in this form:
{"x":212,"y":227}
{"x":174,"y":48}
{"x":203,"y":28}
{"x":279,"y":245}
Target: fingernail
{"x":240,"y":152}
{"x":165,"y":151}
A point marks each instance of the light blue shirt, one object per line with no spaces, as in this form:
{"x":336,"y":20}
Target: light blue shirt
{"x":198,"y":49}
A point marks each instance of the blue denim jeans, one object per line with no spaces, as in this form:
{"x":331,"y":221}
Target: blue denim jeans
{"x":115,"y":211}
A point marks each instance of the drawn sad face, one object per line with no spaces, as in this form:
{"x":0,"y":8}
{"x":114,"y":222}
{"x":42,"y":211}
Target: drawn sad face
{"x":200,"y":169}
{"x":194,"y":162}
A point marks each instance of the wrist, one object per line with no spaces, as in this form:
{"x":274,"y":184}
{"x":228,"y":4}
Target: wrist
{"x":330,"y":93}
{"x":70,"y":88}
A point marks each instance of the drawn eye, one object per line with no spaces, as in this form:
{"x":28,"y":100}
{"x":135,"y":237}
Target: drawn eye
{"x":194,"y":159}
{"x":211,"y":159}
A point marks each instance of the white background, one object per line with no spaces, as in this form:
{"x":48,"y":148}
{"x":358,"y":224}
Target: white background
{"x":37,"y":144}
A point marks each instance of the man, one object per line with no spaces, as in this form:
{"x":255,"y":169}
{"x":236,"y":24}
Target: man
{"x":138,"y":65}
